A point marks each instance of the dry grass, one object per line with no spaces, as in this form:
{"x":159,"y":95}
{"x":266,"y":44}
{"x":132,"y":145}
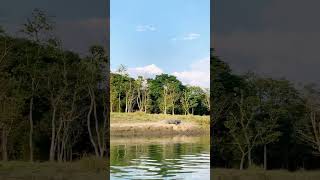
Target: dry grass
{"x":231,"y":174}
{"x":143,"y":117}
{"x":86,"y":168}
{"x":139,"y":123}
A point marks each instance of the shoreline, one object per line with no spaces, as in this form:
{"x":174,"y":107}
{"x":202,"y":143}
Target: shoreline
{"x":164,"y":140}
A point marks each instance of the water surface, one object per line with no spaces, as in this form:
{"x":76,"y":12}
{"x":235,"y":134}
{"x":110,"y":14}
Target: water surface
{"x":177,"y":157}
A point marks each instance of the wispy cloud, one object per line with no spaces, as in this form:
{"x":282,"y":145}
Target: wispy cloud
{"x":191,"y":36}
{"x":187,"y":37}
{"x":143,"y":28}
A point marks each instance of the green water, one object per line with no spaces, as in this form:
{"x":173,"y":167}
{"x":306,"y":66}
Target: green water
{"x":160,"y":158}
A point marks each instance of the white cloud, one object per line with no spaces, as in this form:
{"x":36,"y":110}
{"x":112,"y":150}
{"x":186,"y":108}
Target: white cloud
{"x":198,"y":75}
{"x":148,"y":71}
{"x":142,"y":28}
{"x":187,"y":37}
{"x":191,"y":36}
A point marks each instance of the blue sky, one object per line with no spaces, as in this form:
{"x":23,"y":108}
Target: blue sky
{"x":169,"y":36}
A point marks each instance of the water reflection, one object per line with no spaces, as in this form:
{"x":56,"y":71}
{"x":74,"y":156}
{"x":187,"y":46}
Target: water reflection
{"x":160,"y":158}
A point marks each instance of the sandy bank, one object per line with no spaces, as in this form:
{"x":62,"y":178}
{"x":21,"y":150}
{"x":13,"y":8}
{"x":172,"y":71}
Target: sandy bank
{"x":155,"y":128}
{"x":164,"y":140}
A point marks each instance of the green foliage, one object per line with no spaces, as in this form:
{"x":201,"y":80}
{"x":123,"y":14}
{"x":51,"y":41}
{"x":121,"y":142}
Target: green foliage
{"x":46,"y":93}
{"x":38,"y":26}
{"x":261,"y":120}
{"x":163,"y":94}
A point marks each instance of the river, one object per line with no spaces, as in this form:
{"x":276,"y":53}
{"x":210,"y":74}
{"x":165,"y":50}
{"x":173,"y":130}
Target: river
{"x":177,"y":157}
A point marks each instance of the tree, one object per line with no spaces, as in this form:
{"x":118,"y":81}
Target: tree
{"x":38,"y":27}
{"x":309,"y":129}
{"x":10,"y":110}
{"x":4,"y":47}
{"x":35,"y":27}
{"x":130,"y":94}
{"x":223,"y":90}
{"x":242,"y":126}
{"x":122,"y":71}
{"x":140,"y":88}
{"x":52,"y":89}
{"x":185,"y":100}
{"x":268,"y":132}
{"x":56,"y":91}
{"x":188,"y":99}
{"x":113,"y":93}
{"x":272,"y":94}
{"x":93,"y":68}
{"x":173,"y":95}
{"x":145,"y":95}
{"x":142,"y":96}
{"x":164,"y":104}
{"x":206,"y":102}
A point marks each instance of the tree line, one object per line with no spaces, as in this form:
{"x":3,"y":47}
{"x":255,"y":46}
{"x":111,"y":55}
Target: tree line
{"x":162,"y":94}
{"x":262,"y":121}
{"x":53,"y":103}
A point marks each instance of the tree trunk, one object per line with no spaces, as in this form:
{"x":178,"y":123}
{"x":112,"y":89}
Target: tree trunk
{"x":265,"y":157}
{"x":145,"y":105}
{"x":31,"y":129}
{"x":165,"y":101}
{"x":71,"y":154}
{"x":104,"y":130}
{"x":53,"y":134}
{"x":165,"y":105}
{"x":111,"y":106}
{"x":119,"y":103}
{"x":89,"y":127}
{"x":146,"y":102}
{"x":97,"y":126}
{"x":126,"y":110}
{"x":249,"y":158}
{"x":173,"y":110}
{"x":4,"y":140}
{"x":242,"y":161}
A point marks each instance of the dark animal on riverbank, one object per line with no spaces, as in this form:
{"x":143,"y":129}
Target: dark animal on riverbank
{"x":176,"y":122}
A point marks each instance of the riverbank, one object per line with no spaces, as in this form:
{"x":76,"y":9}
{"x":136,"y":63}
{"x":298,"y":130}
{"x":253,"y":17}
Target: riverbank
{"x":232,"y":174}
{"x":86,"y":168}
{"x":164,"y":140}
{"x":136,"y":124}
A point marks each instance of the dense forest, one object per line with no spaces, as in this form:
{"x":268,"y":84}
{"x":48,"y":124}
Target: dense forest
{"x":53,"y":103}
{"x":262,"y":121}
{"x":162,"y":94}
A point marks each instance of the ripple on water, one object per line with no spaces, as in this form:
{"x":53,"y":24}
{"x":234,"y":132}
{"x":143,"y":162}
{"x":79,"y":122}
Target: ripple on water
{"x":161,"y":161}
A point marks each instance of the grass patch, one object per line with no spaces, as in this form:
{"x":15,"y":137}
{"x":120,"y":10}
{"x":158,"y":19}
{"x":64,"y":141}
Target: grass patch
{"x":256,"y":174}
{"x":89,"y":167}
{"x":138,"y":117}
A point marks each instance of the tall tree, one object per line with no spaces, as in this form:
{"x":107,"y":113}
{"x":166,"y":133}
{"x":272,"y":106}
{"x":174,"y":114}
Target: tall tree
{"x":122,"y":71}
{"x":242,"y":126}
{"x":93,"y":81}
{"x":37,"y":28}
{"x":140,"y":93}
{"x":309,"y":128}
